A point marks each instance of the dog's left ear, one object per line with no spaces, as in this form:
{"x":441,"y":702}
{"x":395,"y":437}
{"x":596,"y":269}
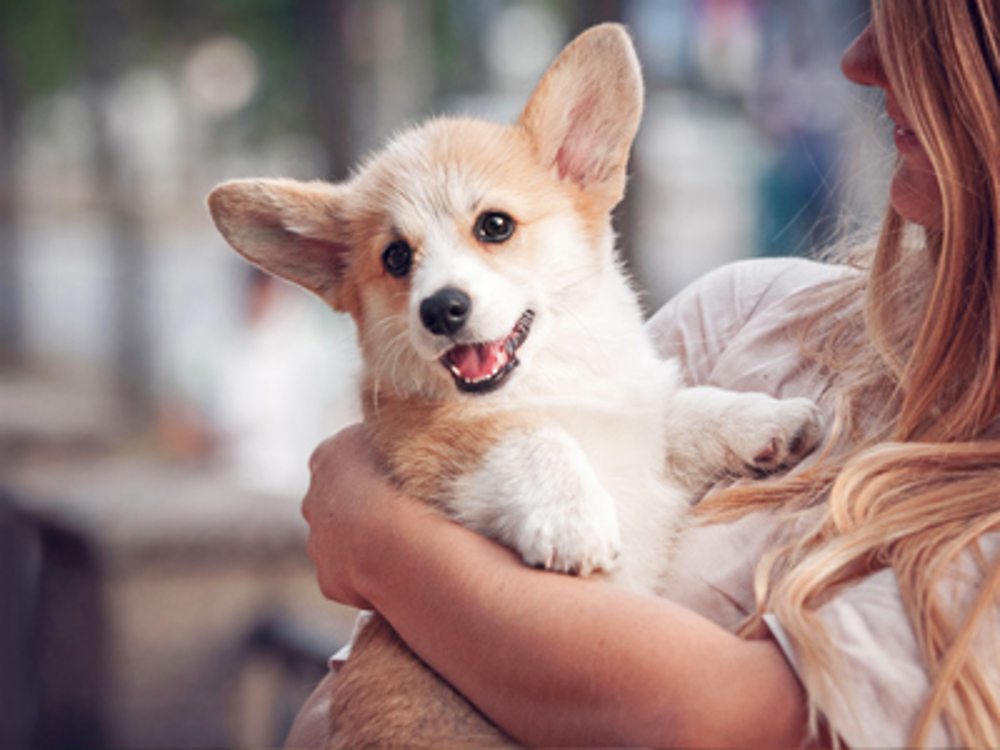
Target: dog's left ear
{"x":585,"y":113}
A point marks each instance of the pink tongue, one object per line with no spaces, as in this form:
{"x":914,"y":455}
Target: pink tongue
{"x":478,"y":361}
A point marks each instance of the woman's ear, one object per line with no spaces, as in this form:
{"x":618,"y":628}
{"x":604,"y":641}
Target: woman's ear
{"x":585,"y":113}
{"x":291,"y":229}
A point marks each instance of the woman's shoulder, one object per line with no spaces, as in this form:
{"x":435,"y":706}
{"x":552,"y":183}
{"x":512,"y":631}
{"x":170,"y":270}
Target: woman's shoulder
{"x":737,"y":290}
{"x":742,"y":312}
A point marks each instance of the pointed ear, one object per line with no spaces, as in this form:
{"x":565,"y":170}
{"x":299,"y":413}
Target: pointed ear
{"x":289,"y":228}
{"x":585,"y":113}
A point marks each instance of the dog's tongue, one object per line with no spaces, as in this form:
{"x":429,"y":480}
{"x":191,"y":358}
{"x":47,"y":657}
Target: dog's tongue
{"x":478,"y":361}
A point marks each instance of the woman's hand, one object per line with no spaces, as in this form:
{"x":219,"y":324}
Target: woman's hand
{"x":350,"y":504}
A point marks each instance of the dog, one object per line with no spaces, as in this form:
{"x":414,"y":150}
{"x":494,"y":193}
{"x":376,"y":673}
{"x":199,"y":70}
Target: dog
{"x":507,"y":377}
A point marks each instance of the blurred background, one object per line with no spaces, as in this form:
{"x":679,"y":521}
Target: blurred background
{"x":159,"y":400}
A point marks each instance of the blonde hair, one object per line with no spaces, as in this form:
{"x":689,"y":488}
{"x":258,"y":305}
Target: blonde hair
{"x":908,"y":478}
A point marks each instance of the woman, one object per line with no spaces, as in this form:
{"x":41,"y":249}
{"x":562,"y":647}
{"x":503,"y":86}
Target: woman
{"x":853,"y":600}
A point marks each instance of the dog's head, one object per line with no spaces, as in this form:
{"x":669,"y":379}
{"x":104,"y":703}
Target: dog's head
{"x":460,"y":247}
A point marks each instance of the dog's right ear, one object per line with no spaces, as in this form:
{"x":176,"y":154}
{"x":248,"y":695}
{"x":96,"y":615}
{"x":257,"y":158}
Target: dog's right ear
{"x":586,"y":110}
{"x":289,"y":228}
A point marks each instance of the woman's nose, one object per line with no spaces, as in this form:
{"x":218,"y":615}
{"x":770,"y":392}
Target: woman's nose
{"x":862,"y":63}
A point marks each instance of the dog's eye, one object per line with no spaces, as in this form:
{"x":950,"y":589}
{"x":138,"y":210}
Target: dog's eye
{"x":494,"y":226}
{"x":398,"y":258}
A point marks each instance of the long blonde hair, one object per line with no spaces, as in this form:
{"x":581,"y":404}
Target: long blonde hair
{"x":909,"y":479}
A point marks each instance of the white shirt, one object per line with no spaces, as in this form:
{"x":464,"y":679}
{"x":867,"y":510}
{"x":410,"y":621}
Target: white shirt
{"x":732,"y":329}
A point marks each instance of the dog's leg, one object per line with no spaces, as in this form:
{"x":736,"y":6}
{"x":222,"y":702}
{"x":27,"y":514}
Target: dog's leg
{"x":385,"y":697}
{"x":713,"y":432}
{"x":537,"y":493}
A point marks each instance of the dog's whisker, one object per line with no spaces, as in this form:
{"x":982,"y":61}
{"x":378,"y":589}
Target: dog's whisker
{"x":388,"y":322}
{"x":389,"y":359}
{"x":396,"y":351}
{"x":569,"y":313}
{"x":389,"y":349}
{"x":386,"y":364}
{"x":595,"y":274}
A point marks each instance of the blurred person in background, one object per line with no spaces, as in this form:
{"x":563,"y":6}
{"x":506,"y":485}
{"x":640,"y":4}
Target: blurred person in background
{"x":284,"y":383}
{"x":854,"y":599}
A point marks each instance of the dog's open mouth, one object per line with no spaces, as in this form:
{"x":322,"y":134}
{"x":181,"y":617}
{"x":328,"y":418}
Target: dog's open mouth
{"x":479,"y":368}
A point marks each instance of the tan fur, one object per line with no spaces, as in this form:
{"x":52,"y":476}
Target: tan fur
{"x":429,"y":444}
{"x":249,"y":219}
{"x":384,"y":696}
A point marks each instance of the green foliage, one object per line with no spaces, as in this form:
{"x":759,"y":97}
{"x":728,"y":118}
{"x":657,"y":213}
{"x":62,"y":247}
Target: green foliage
{"x":41,"y":40}
{"x":45,"y":43}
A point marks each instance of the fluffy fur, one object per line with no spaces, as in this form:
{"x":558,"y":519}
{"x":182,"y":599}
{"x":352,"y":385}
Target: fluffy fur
{"x":584,"y":452}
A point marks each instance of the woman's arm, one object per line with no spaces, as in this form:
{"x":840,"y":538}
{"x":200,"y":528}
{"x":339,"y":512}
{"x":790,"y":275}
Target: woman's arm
{"x":552,"y":659}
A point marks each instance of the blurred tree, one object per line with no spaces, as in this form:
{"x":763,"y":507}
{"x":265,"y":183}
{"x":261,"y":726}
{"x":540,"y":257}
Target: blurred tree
{"x":11,"y":344}
{"x":104,"y":54}
{"x":90,"y":44}
{"x":329,"y":78}
{"x":583,"y":14}
{"x":38,"y":52}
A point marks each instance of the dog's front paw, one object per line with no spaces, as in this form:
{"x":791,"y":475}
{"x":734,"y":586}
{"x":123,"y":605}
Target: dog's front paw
{"x":776,"y":434}
{"x":578,"y":538}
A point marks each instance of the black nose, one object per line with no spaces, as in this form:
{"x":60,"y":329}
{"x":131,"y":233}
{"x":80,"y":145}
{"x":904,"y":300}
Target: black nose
{"x":445,"y":312}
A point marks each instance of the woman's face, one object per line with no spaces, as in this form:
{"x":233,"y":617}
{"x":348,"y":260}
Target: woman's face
{"x":914,"y":193}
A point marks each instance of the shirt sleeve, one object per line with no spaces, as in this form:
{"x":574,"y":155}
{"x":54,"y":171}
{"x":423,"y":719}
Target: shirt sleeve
{"x":882,"y":686}
{"x":700,"y":326}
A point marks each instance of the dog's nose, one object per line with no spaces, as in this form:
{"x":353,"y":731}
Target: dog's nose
{"x":445,"y":312}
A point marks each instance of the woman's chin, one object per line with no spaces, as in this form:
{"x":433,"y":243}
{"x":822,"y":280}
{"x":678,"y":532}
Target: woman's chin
{"x":916,"y":195}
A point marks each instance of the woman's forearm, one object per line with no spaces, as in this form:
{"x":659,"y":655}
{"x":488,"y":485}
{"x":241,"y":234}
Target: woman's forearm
{"x":556,"y":660}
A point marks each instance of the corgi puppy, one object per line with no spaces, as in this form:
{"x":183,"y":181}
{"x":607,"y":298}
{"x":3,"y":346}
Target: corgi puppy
{"x":507,"y":378}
